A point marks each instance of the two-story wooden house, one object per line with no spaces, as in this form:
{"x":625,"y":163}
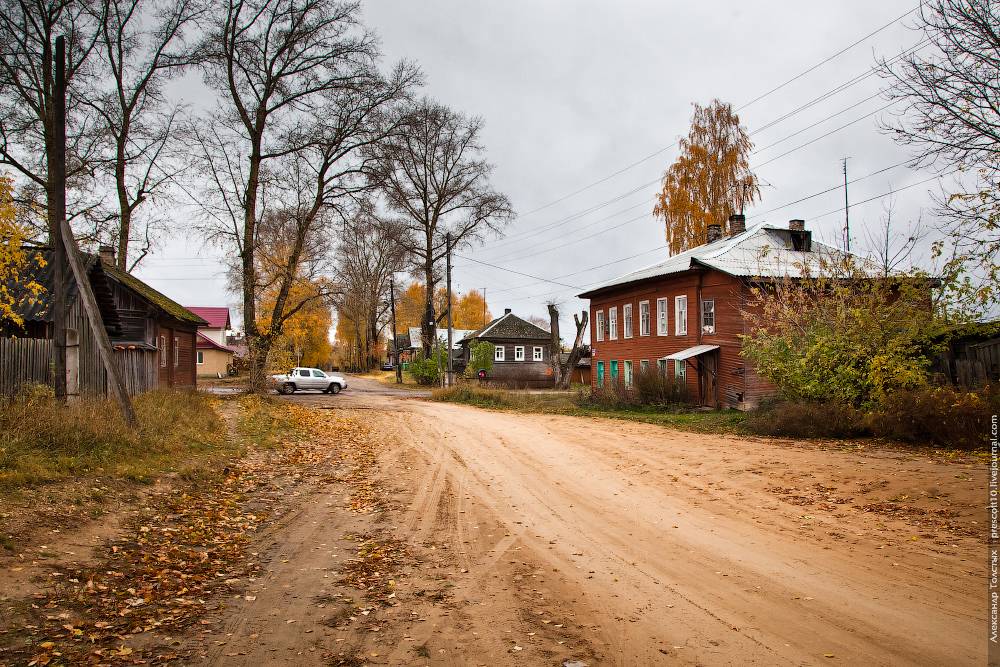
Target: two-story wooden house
{"x":683,"y":316}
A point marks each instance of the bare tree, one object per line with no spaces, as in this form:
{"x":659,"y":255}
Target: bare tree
{"x":563,"y":371}
{"x":142,"y":44}
{"x":434,"y":177}
{"x":368,"y":255}
{"x":302,"y":96}
{"x":951,"y":117}
{"x":30,"y":120}
{"x":892,"y":248}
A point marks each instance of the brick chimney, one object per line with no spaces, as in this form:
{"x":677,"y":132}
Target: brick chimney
{"x":737,"y":224}
{"x":107,"y":254}
{"x":506,"y":311}
{"x":797,"y":225}
{"x":714,"y":233}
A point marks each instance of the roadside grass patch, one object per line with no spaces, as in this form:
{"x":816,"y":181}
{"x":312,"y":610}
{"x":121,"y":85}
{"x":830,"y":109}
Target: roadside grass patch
{"x":44,"y":441}
{"x":264,"y":421}
{"x":579,"y":404}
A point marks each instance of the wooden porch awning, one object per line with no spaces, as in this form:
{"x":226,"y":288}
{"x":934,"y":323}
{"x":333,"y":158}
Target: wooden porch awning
{"x":689,"y":353}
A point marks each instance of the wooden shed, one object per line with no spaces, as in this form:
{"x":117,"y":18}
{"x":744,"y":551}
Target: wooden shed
{"x":153,"y":336}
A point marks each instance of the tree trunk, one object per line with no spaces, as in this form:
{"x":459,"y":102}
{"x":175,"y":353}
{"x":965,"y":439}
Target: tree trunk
{"x":563,"y":372}
{"x":556,"y":351}
{"x":255,"y":344}
{"x":125,"y":223}
{"x":427,"y":328}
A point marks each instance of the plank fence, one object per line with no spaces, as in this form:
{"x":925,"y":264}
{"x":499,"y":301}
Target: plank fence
{"x":24,"y":361}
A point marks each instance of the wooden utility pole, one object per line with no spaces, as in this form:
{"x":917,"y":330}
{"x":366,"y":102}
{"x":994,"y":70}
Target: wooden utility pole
{"x":395,"y":340}
{"x":450,"y":377}
{"x":847,"y":216}
{"x":57,"y":188}
{"x":86,"y":294}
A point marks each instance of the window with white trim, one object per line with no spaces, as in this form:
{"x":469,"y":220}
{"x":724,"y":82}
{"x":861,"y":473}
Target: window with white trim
{"x":681,"y":315}
{"x":177,"y":352}
{"x":644,"y":318}
{"x":644,"y":366}
{"x":628,"y":374}
{"x":518,"y":353}
{"x":163,"y":351}
{"x":613,"y":323}
{"x":680,"y":370}
{"x":661,"y":317}
{"x":498,"y":353}
{"x":627,"y":320}
{"x":708,"y":316}
{"x":661,"y":366}
{"x":601,"y":324}
{"x":201,"y":357}
{"x":537,"y":354}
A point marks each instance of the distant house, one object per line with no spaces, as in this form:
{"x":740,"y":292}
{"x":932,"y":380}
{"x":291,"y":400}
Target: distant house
{"x":520,"y":351}
{"x":214,"y":355}
{"x":682,"y":316}
{"x":411,"y":342}
{"x":153,"y":337}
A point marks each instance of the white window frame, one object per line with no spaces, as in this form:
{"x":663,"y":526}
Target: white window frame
{"x":518,"y":353}
{"x":662,"y":319}
{"x":163,"y":351}
{"x":704,"y":312}
{"x":680,"y":315}
{"x":498,"y":353}
{"x":661,"y":367}
{"x":537,"y":353}
{"x":613,"y":323}
{"x":680,"y":370}
{"x":627,"y":320}
{"x":600,"y":325}
{"x":644,"y":366}
{"x":644,"y":318}
{"x":177,"y":352}
{"x":200,"y":357}
{"x":627,"y":372}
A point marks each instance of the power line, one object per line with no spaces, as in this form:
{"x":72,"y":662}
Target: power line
{"x":753,"y":101}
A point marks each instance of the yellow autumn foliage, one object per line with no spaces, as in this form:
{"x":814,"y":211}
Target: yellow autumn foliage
{"x":15,"y":287}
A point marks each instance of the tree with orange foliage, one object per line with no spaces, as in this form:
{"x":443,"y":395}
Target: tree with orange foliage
{"x":710,"y":180}
{"x":468,"y":308}
{"x":304,"y":338}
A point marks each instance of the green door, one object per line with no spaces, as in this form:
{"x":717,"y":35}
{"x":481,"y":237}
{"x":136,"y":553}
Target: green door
{"x":600,"y":373}
{"x":614,"y":371}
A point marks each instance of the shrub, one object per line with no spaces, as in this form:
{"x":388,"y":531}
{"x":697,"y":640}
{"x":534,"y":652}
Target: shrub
{"x":942,"y":416}
{"x":648,"y":388}
{"x":425,"y":370}
{"x":480,"y":357}
{"x":806,"y":419}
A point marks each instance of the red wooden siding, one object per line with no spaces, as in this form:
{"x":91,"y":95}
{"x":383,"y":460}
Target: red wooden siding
{"x":738,"y":385}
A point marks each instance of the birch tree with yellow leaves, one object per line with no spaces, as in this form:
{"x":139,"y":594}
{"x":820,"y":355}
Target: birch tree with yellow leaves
{"x":16,"y":262}
{"x":710,"y":180}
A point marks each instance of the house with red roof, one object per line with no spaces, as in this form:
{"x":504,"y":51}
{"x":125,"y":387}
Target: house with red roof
{"x":214,"y":357}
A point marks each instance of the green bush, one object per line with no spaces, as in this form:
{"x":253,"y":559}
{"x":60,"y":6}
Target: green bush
{"x":425,"y":370}
{"x":942,"y":416}
{"x":480,"y":357}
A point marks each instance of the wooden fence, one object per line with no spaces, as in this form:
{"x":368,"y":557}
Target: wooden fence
{"x":971,"y":364}
{"x":29,"y":360}
{"x":23,"y":361}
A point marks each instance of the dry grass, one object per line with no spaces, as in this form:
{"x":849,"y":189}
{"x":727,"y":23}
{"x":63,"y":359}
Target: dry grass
{"x":44,"y":441}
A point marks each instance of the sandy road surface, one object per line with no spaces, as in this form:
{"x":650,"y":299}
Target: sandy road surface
{"x":562,"y":538}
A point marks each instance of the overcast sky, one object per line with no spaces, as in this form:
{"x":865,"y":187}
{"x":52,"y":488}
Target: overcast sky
{"x":572,"y":92}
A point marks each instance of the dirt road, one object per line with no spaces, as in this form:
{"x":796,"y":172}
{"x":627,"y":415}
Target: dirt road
{"x":554,"y":538}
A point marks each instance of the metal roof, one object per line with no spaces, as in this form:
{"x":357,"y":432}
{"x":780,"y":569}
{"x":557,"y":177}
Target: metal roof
{"x":762,"y":251}
{"x":693,"y":351}
{"x":456,"y":336}
{"x":216,"y":316}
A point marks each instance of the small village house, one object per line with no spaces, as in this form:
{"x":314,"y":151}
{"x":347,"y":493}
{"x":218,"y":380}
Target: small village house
{"x":153,"y":337}
{"x":214,"y":357}
{"x":682,"y":316}
{"x":520,"y":351}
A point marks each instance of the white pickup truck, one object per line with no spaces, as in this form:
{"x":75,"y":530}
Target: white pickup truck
{"x":299,"y":379}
